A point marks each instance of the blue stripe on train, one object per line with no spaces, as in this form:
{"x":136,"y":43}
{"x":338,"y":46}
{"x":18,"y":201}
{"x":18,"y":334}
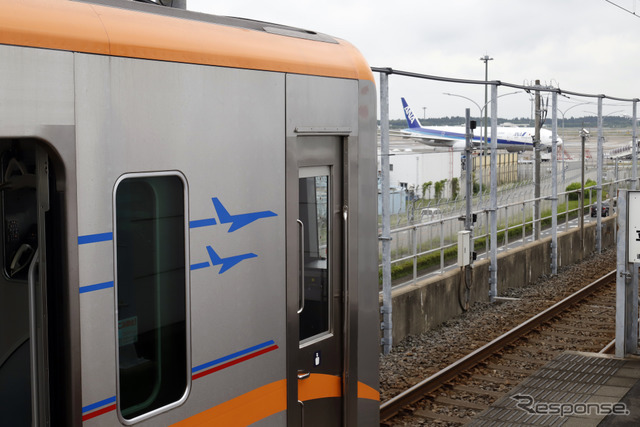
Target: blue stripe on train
{"x":95,"y":238}
{"x":96,"y":287}
{"x":202,"y":222}
{"x":96,"y":405}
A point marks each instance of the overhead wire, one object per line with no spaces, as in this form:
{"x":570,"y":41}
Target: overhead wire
{"x":632,"y":12}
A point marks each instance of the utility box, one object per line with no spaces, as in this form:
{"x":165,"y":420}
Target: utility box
{"x":464,"y":247}
{"x":633,"y":220}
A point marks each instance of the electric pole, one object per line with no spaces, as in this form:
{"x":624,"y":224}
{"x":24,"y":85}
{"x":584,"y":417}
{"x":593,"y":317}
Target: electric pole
{"x":483,"y":141}
{"x":584,"y":134}
{"x":536,"y":170}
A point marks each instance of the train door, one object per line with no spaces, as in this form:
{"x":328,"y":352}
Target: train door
{"x":316,"y":213}
{"x":30,"y":338}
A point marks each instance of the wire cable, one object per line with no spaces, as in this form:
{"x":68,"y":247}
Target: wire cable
{"x":620,"y":7}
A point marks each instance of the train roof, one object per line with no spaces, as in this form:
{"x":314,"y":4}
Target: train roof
{"x":146,"y":31}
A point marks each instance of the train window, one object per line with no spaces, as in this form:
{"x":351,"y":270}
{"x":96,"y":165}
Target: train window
{"x":313,"y":208}
{"x":151,"y":292}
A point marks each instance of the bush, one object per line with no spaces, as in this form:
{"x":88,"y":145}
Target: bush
{"x":455,"y":188}
{"x":573,"y":187}
{"x":576,"y":186}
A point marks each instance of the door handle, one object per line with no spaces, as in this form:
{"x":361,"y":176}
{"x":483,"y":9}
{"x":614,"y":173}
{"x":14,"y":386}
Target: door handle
{"x":346,"y":305}
{"x":301,"y":266}
{"x":303,"y":375}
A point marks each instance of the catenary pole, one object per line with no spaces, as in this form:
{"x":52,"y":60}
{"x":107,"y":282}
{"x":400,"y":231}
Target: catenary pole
{"x":483,"y":140}
{"x":583,"y":138}
{"x":387,"y":336}
{"x":468,"y":166}
{"x":634,"y":147}
{"x":554,"y":183}
{"x":493,"y":278}
{"x":536,"y":167}
{"x":599,"y":184}
{"x":468,"y":218}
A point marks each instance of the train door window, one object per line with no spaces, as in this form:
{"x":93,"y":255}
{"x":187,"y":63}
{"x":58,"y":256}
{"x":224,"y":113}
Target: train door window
{"x":151,"y":294}
{"x":313,"y":208}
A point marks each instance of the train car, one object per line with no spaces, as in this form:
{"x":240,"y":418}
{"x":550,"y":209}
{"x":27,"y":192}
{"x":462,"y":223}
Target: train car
{"x":188,"y":213}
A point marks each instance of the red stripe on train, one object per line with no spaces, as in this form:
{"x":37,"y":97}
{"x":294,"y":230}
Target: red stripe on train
{"x":98,"y":412}
{"x":234,"y":362}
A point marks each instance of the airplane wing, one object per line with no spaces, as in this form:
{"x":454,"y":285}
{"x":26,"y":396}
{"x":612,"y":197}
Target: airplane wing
{"x":427,"y":137}
{"x":436,"y":138}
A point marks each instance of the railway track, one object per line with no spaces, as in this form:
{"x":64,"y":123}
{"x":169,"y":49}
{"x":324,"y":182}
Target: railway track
{"x":583,"y":321}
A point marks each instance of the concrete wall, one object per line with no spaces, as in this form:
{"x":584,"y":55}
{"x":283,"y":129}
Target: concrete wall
{"x":427,"y":304}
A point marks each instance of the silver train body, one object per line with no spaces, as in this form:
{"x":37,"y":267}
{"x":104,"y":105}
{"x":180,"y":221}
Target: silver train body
{"x":189,"y":220}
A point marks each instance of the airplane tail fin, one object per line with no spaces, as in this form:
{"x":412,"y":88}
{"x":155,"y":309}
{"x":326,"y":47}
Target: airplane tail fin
{"x":215,"y":258}
{"x":223,"y":214}
{"x":412,"y":120}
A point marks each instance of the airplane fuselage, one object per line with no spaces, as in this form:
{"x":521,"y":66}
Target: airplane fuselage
{"x":510,"y":139}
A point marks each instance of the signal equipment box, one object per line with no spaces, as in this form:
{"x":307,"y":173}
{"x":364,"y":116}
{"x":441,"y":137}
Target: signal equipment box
{"x":464,"y":247}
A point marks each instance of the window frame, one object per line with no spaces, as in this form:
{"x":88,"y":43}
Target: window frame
{"x":318,"y":171}
{"x":187,"y":290}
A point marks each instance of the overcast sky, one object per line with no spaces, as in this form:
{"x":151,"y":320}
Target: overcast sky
{"x":587,"y":46}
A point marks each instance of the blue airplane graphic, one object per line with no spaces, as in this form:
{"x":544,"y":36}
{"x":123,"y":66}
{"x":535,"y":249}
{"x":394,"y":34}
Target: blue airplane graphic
{"x":228,"y":262}
{"x":239,"y":220}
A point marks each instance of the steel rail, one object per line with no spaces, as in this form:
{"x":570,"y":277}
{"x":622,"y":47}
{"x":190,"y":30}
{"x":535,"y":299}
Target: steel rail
{"x":412,"y":395}
{"x":609,"y":348}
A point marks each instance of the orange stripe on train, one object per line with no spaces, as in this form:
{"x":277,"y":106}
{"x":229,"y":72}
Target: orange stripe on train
{"x":367,"y":392}
{"x":319,"y":386}
{"x":245,"y":409}
{"x":271,"y":399}
{"x":92,"y":28}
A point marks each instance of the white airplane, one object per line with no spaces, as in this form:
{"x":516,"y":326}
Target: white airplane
{"x":512,"y":139}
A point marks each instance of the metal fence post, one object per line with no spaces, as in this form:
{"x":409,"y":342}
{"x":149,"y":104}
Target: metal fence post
{"x":566,"y":211}
{"x":487,"y":231}
{"x":415,"y":254}
{"x":441,"y":246}
{"x":524,"y":223}
{"x":506,"y":230}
